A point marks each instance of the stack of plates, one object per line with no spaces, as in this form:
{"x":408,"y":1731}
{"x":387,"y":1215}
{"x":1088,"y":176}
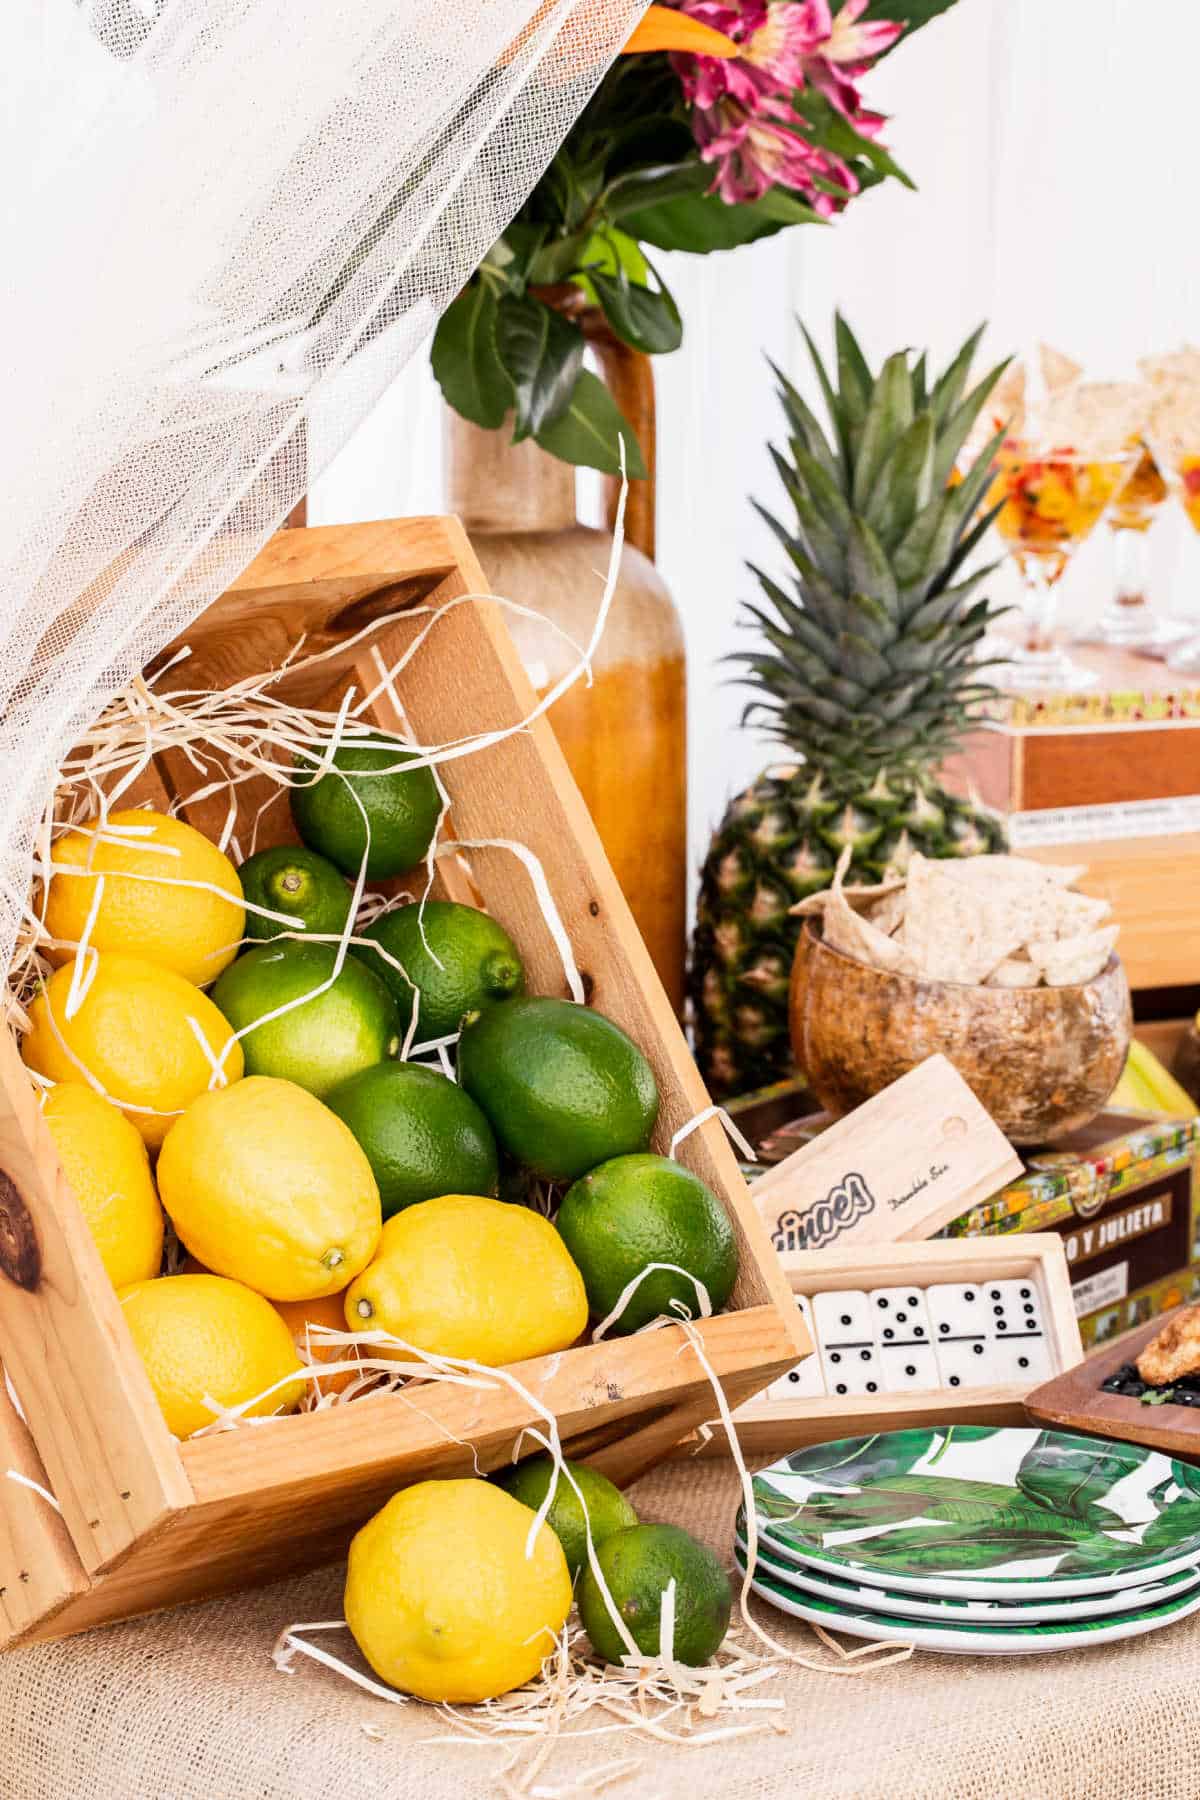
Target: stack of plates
{"x":977,"y":1540}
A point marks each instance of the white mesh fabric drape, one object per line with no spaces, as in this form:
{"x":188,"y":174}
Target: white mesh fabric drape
{"x":222,"y":219}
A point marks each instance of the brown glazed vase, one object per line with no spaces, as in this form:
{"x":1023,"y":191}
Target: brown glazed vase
{"x":1042,"y":1060}
{"x":625,"y":736}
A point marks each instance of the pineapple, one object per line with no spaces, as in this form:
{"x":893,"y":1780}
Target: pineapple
{"x":867,"y":674}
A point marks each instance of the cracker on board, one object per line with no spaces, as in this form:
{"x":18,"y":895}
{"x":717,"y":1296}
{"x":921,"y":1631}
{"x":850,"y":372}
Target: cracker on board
{"x":957,"y":932}
{"x":1069,"y":962}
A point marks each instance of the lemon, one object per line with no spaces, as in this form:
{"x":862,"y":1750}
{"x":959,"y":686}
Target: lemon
{"x":108,"y":1171}
{"x":466,"y":1276}
{"x":200,"y":1335}
{"x":191,"y":930}
{"x":442,"y":1599}
{"x":135,"y":1034}
{"x":265,"y":1185}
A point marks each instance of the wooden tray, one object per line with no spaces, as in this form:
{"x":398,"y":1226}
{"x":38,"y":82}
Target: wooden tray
{"x":781,"y":1425}
{"x":1076,"y":1401}
{"x":150,"y":1522}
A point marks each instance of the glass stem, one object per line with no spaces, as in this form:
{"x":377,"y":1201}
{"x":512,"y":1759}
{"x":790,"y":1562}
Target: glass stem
{"x":1131,"y":570}
{"x":1041,"y":606}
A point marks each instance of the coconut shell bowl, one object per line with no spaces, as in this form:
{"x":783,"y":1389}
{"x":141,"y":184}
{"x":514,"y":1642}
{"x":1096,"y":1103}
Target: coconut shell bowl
{"x":1043,"y":1060}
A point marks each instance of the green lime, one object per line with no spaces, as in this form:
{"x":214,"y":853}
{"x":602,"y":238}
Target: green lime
{"x":605,"y":1506}
{"x":478,"y":962}
{"x":422,"y":1136}
{"x":292,"y":880}
{"x":563,"y":1087}
{"x":638,"y":1565}
{"x":638,"y":1210}
{"x":402,"y":809}
{"x":347,"y":1027}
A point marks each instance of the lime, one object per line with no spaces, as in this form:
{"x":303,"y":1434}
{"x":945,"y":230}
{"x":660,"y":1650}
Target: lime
{"x":298,"y":882}
{"x":604,"y":1507}
{"x":478,"y":962}
{"x":563,"y":1087}
{"x":421,"y":1134}
{"x":638,"y":1210}
{"x":402,"y":809}
{"x":346,"y":1027}
{"x":638,"y":1565}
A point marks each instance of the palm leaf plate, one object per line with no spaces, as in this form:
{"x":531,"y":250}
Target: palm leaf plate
{"x":982,"y":1512}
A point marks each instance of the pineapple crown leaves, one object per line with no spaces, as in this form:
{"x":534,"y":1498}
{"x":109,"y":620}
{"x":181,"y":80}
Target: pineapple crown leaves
{"x":869,"y":664}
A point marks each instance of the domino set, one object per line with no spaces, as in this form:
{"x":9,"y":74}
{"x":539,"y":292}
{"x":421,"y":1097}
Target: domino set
{"x":909,"y":1339}
{"x":919,"y":1334}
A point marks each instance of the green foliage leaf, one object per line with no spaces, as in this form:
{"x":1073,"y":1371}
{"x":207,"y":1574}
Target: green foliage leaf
{"x":467,"y":362}
{"x":541,"y":353}
{"x":645,"y":317}
{"x":905,"y":484}
{"x":652,"y":189}
{"x":910,"y":13}
{"x":700,"y":222}
{"x":591,"y":428}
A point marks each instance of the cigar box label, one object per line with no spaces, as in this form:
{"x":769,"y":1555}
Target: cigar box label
{"x":1111,"y":1230}
{"x":1092,"y":824}
{"x":1100,"y":1290}
{"x":898,"y":1168}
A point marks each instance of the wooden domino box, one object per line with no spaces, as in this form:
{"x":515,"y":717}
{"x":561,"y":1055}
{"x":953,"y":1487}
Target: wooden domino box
{"x":779,"y":1421}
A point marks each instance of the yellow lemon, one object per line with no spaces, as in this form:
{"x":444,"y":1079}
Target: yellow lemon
{"x":147,"y":908}
{"x":442,"y":1599}
{"x":107,"y":1168}
{"x":465,"y":1276}
{"x":263,"y":1183}
{"x":201,"y":1335}
{"x":137,"y":1034}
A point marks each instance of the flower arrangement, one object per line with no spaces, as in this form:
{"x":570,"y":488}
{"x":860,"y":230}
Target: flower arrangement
{"x":723,"y":121}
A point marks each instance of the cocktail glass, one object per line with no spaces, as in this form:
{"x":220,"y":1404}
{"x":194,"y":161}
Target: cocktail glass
{"x":1183,"y":475}
{"x":1129,"y":620}
{"x":1050,"y":501}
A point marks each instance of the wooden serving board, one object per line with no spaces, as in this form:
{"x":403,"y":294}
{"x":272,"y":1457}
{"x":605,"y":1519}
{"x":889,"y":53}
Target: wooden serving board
{"x":1076,"y":1401}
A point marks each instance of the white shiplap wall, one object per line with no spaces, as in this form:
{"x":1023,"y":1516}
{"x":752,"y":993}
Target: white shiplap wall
{"x":1053,"y":144}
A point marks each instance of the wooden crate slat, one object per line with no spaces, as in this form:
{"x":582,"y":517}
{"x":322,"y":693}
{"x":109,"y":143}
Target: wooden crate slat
{"x":91,"y":1411}
{"x":40,"y":1570}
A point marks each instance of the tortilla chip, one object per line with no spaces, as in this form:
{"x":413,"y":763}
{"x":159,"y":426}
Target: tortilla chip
{"x":1096,"y":418}
{"x":955,"y":931}
{"x":1075,"y":914}
{"x":1014,"y":972}
{"x":887,"y":912}
{"x":860,"y":897}
{"x":1070,"y":962}
{"x":847,"y":931}
{"x":985,"y":871}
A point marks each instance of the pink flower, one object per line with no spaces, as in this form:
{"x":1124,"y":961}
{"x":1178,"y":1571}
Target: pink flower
{"x":742,"y":106}
{"x":756,"y":150}
{"x":842,"y":50}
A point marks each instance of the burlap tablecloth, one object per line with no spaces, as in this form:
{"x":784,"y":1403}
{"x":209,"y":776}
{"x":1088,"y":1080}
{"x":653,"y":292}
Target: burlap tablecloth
{"x":188,"y":1706}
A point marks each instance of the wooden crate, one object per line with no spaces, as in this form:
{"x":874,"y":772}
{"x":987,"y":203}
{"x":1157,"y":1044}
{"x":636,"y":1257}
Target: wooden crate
{"x":150,"y":1522}
{"x":770,"y":1425}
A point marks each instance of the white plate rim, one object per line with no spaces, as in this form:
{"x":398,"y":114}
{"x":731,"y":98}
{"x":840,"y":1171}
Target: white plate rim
{"x":1051,"y":1612}
{"x":960,"y":1643}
